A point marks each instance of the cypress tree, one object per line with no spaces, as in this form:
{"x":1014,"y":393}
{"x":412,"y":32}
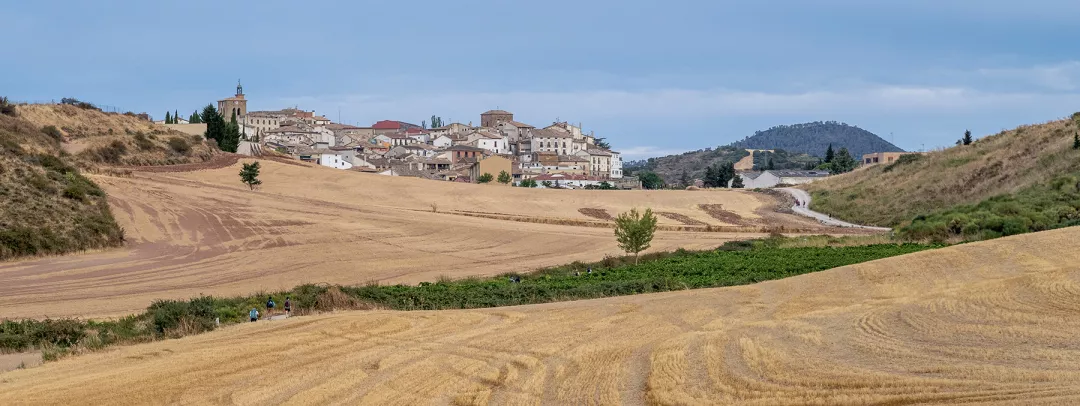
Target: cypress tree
{"x":168,"y":118}
{"x":967,"y":137}
{"x":176,"y":117}
{"x":829,"y":155}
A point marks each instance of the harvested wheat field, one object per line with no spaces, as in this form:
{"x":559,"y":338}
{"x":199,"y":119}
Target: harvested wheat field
{"x":203,"y":232}
{"x":988,"y":322}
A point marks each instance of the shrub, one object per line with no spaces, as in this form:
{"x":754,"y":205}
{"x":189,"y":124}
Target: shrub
{"x":142,"y":142}
{"x":192,"y":316}
{"x":179,"y":145}
{"x":53,"y":132}
{"x":6,"y":108}
{"x":111,"y":153}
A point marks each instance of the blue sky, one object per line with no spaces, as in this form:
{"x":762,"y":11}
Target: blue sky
{"x":653,"y":77}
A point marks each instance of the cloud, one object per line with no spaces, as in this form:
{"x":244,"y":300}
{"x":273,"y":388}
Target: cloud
{"x":1064,"y":76}
{"x":606,"y":105}
{"x":646,"y":151}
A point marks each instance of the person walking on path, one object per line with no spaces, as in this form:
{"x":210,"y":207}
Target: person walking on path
{"x":288,"y":306}
{"x":254,"y":314}
{"x":269,"y":305}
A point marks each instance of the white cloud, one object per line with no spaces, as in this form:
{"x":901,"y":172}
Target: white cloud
{"x":545,"y":107}
{"x":646,"y":151}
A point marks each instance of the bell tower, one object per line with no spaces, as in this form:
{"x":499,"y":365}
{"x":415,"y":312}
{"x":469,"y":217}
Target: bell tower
{"x":234,"y":105}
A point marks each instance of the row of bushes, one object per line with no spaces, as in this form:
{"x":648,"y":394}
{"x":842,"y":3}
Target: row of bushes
{"x":732,"y":264}
{"x":1036,"y":208}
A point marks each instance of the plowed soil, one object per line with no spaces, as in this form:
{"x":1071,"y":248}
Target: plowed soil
{"x":201,"y":231}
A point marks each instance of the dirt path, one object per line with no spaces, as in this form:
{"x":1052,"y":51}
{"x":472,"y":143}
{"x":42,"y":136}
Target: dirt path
{"x":802,"y":196}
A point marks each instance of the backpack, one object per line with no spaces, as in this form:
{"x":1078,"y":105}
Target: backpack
{"x":269,"y":303}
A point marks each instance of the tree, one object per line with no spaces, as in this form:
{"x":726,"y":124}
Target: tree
{"x":215,"y":124}
{"x":546,"y":183}
{"x":829,"y":155}
{"x":967,"y":137}
{"x":176,"y":117}
{"x":685,"y":178}
{"x":710,"y":176}
{"x":634,"y":231}
{"x":249,"y":174}
{"x":602,"y":143}
{"x":168,"y":118}
{"x":843,"y":162}
{"x":1076,"y":140}
{"x":736,"y":183}
{"x":423,"y":124}
{"x":504,"y":177}
{"x":231,"y":139}
{"x":527,"y":183}
{"x":650,"y":180}
{"x":605,"y":185}
{"x":195,"y":119}
{"x":771,"y":165}
{"x":485,"y":178}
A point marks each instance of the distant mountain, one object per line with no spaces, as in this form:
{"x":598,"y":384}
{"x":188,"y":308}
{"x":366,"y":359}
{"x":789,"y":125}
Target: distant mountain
{"x":814,"y":138}
{"x":795,"y":146}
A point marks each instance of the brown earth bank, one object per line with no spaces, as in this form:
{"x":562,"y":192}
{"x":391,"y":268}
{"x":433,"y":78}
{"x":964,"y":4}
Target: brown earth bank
{"x":203,"y":232}
{"x":989,"y":323}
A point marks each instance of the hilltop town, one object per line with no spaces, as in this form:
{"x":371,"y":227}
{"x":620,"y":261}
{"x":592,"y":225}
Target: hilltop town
{"x":558,"y":155}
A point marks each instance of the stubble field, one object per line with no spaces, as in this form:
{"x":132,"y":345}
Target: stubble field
{"x":989,"y":323}
{"x":203,"y":232}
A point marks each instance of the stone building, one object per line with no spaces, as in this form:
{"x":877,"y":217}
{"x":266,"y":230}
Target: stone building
{"x":491,"y":118}
{"x":233,"y":105}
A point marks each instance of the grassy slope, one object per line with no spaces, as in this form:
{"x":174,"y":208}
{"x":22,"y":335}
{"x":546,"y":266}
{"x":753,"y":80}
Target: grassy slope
{"x":46,"y":206}
{"x":1009,"y":162}
{"x":115,"y":139}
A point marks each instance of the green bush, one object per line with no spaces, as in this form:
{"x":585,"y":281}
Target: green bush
{"x":168,"y":315}
{"x":1050,"y":205}
{"x":6,"y":108}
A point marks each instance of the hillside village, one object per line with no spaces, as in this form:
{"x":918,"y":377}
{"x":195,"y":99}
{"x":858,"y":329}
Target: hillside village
{"x":558,"y":155}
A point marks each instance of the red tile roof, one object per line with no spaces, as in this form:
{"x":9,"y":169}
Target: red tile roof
{"x":387,"y":125}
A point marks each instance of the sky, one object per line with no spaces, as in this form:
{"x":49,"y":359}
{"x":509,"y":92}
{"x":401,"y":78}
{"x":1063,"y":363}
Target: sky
{"x":653,"y":77}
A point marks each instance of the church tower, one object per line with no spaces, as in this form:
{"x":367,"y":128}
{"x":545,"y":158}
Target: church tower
{"x":234,"y":105}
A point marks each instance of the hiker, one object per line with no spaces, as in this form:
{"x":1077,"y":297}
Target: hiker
{"x":797,"y":203}
{"x":254,"y":314}
{"x":590,"y":271}
{"x":288,"y":306}
{"x":269,"y":305}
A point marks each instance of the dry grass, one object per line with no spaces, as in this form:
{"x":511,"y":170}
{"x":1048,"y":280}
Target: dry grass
{"x":994,"y":165}
{"x":92,"y":136}
{"x":204,"y":232}
{"x":988,"y":322}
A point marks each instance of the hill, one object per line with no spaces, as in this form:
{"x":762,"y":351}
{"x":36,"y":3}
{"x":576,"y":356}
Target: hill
{"x":97,"y":139}
{"x":796,"y":146}
{"x":814,"y":138}
{"x":973,"y":323}
{"x":49,"y":207}
{"x":46,"y":205}
{"x":1011,"y":182}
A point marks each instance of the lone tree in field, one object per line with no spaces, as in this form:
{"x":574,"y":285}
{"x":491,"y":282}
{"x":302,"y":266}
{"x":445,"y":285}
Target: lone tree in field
{"x":967,"y":137}
{"x":634,"y":231}
{"x":250,"y":175}
{"x":505,"y":178}
{"x":485,"y":178}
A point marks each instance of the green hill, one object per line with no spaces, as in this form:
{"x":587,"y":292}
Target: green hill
{"x":814,"y":138}
{"x":1012,"y":182}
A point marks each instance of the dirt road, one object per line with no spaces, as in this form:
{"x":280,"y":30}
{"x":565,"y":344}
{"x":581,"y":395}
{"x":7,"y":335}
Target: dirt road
{"x":825,"y":219}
